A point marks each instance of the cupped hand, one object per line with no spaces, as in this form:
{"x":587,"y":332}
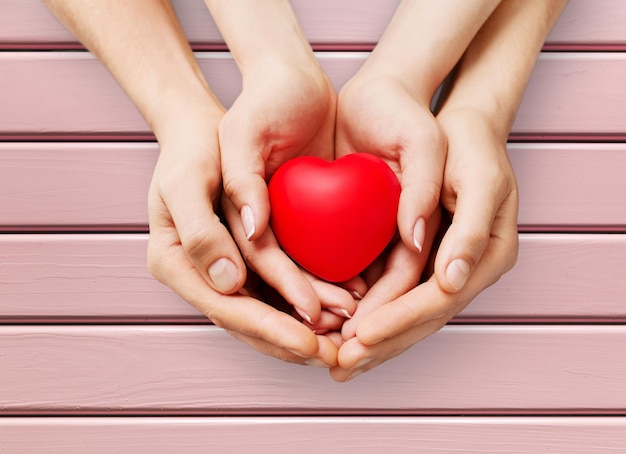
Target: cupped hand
{"x":380,"y":115}
{"x":480,"y":193}
{"x":284,"y":111}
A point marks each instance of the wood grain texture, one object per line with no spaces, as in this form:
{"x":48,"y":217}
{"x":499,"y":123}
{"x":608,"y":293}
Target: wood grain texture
{"x":563,"y":185}
{"x":75,"y":185}
{"x":348,"y":22}
{"x":104,"y":186}
{"x":277,"y":435}
{"x":574,"y":94}
{"x":194,"y":369}
{"x":94,"y":277}
{"x":570,"y":94}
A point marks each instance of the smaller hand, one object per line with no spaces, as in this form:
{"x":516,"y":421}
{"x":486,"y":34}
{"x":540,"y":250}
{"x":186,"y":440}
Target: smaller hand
{"x":480,"y":193}
{"x":283,"y":112}
{"x":379,"y":115}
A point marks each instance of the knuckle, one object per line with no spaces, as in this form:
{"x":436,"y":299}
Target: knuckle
{"x":197,"y":242}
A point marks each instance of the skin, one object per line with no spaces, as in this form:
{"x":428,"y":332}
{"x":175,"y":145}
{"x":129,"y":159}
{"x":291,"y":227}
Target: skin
{"x":189,"y":249}
{"x":215,"y":162}
{"x":478,"y":189}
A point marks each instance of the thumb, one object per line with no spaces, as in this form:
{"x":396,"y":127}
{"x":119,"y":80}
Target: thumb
{"x":467,"y":237}
{"x":205,"y":240}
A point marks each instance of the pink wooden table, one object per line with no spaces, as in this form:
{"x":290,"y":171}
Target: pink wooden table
{"x":534,"y":364}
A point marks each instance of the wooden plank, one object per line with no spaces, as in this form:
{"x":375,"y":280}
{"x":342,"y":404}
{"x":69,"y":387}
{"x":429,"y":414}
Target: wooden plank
{"x":193,"y":369}
{"x":563,"y":185}
{"x":276,"y":435}
{"x":570,"y":95}
{"x":76,"y":277}
{"x":574,"y":94}
{"x":98,"y":277}
{"x":103,"y":186}
{"x":348,"y":22}
{"x":75,"y":185}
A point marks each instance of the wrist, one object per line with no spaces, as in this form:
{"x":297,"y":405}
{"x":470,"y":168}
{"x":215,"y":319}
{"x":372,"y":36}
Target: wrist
{"x":261,"y":33}
{"x":185,"y":113}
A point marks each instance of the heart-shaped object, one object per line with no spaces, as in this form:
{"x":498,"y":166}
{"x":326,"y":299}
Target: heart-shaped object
{"x":334,"y":218}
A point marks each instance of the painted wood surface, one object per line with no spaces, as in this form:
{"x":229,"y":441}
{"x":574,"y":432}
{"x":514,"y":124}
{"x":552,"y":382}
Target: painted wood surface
{"x":97,"y":277}
{"x":104,"y":186}
{"x":276,"y":435}
{"x":570,"y":95}
{"x":201,"y":369}
{"x":75,"y":185}
{"x":349,"y":22}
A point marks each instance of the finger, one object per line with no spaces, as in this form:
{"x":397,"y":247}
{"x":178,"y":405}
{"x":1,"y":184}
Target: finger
{"x":332,"y":297}
{"x":421,"y":179}
{"x":243,"y":172}
{"x":326,"y":355}
{"x":429,"y":301}
{"x":186,"y":202}
{"x":356,"y":286}
{"x":356,"y":358}
{"x":239,"y":313}
{"x":265,"y":257}
{"x":403,"y":272}
{"x":328,"y":321}
{"x":472,"y":228}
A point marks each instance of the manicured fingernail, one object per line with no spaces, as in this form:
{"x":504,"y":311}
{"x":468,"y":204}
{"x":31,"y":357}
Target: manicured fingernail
{"x":247,"y":218}
{"x":356,"y":295}
{"x":304,"y":315}
{"x":457,"y":273}
{"x":345,"y":313}
{"x":224,"y":275}
{"x":419,"y":233}
{"x":316,"y":362}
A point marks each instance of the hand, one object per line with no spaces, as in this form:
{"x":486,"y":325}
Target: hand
{"x":379,"y":115}
{"x":283,"y":112}
{"x":480,"y":193}
{"x":187,"y":239}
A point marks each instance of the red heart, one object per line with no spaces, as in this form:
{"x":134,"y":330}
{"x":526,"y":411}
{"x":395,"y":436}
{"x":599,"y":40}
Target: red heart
{"x":334,"y":218}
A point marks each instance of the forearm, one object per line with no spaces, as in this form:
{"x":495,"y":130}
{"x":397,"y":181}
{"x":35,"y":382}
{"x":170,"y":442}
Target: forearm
{"x":261,"y":33}
{"x":425,"y":39}
{"x":144,"y":47}
{"x":494,"y":72}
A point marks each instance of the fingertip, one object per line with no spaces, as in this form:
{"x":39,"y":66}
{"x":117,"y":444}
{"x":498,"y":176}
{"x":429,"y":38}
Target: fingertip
{"x":457,"y":273}
{"x":248,"y":193}
{"x":419,"y":234}
{"x":225,"y":276}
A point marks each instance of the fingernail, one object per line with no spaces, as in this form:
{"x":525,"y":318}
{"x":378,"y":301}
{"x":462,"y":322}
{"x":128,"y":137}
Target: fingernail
{"x":346,"y":313}
{"x":304,"y":315}
{"x":419,"y":233}
{"x":356,"y":295}
{"x":316,"y":362}
{"x":247,"y":218}
{"x":457,"y":273}
{"x":224,"y":275}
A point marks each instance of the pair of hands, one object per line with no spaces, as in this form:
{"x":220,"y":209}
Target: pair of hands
{"x":237,"y":276}
{"x":214,"y":162}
